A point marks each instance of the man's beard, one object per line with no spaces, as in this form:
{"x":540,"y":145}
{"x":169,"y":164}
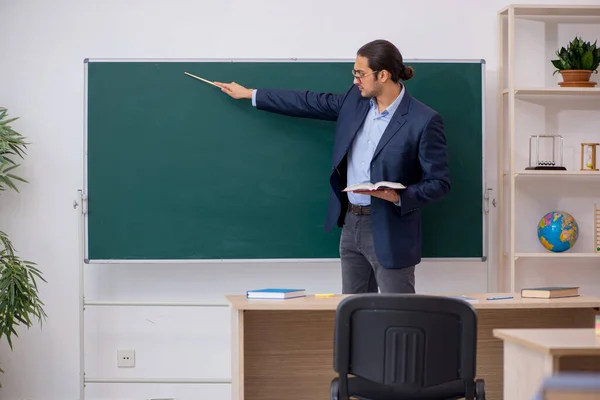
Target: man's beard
{"x":376,"y":91}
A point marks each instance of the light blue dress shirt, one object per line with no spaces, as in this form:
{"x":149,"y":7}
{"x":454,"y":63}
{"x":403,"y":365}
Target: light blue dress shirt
{"x":364,"y":145}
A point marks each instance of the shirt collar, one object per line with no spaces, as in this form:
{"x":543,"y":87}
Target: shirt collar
{"x":392,"y":107}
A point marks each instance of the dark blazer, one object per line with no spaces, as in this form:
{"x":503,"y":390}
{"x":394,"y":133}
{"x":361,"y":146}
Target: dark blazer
{"x":412,"y":151}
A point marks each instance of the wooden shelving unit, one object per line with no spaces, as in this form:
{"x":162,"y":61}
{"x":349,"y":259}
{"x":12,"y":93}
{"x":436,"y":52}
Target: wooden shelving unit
{"x":553,"y":91}
{"x":526,"y":85}
{"x":557,"y":255}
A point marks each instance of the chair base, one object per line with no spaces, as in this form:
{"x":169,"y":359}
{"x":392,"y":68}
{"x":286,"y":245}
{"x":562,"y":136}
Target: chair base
{"x":335,"y":391}
{"x":479,"y":389}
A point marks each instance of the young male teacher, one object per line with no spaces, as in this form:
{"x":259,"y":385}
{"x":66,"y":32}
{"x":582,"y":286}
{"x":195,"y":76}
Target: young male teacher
{"x":381,"y":134}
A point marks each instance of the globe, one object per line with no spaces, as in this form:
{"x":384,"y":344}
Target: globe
{"x":558,"y":231}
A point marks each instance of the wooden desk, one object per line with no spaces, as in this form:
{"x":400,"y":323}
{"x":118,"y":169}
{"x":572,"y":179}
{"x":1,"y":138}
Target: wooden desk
{"x":284,"y":348}
{"x":531,"y":355}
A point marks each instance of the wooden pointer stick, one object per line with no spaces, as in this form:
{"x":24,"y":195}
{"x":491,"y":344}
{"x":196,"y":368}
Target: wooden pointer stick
{"x":202,"y":79}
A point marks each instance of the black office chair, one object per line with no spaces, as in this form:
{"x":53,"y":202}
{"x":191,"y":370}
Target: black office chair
{"x":395,"y":346}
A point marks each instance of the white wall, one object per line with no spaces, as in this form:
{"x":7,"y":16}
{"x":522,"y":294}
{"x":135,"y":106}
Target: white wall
{"x":41,"y":81}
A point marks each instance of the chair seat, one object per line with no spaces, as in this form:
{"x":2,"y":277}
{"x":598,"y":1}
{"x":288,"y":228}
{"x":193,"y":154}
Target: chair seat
{"x":367,"y":390}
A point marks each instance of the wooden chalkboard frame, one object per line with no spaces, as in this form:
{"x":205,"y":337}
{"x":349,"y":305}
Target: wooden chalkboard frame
{"x":83,"y":198}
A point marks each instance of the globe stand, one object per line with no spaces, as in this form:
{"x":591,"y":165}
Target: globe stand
{"x":549,"y":147}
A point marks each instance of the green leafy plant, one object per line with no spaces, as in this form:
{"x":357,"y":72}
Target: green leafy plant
{"x":12,"y":144}
{"x":20,"y":303}
{"x":579,"y":55}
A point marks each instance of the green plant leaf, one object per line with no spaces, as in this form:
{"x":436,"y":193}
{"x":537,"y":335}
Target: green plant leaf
{"x":20,"y":304}
{"x":11,"y":144}
{"x":587,"y":60}
{"x":557,"y":64}
{"x":578,"y":54}
{"x":16,"y":178}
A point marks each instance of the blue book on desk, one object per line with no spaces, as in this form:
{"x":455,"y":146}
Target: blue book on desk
{"x":274,"y":293}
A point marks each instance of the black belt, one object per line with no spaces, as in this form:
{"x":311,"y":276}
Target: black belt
{"x":359,"y":210}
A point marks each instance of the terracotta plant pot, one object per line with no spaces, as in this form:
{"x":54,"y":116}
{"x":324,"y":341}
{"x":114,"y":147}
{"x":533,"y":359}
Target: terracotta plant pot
{"x":576,"y":78}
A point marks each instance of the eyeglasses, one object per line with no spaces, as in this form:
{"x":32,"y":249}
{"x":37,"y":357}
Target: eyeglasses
{"x":359,"y":74}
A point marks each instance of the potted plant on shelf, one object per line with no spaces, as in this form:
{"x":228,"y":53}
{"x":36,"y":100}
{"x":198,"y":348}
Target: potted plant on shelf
{"x":20,"y":303}
{"x":577,"y":62}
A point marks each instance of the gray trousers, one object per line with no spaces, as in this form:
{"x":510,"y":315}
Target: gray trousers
{"x":361,"y":271}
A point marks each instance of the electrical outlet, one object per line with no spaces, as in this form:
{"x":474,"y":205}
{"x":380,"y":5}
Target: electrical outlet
{"x":126,"y":358}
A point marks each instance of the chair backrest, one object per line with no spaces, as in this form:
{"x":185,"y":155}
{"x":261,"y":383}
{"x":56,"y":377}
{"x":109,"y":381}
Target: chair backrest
{"x":412,"y":342}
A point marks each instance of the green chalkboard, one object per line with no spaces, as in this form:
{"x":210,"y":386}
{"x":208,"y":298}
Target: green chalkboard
{"x":177,"y":170}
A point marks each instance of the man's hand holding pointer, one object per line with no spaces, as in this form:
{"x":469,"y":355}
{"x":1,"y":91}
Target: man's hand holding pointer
{"x":235,"y":90}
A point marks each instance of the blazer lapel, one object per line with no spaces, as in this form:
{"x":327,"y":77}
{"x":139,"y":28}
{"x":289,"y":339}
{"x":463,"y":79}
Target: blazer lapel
{"x":361,"y":113}
{"x":395,"y":123}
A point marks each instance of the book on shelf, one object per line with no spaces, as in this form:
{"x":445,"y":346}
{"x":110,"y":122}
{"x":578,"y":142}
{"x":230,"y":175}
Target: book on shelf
{"x":550,"y":292}
{"x":375,"y":186}
{"x":275,"y":293}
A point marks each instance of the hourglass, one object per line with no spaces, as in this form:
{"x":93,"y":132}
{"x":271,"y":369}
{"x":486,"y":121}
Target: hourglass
{"x":588,"y":156}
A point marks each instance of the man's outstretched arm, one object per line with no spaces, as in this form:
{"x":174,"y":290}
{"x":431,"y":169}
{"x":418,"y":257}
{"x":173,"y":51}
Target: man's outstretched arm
{"x":295,"y":103}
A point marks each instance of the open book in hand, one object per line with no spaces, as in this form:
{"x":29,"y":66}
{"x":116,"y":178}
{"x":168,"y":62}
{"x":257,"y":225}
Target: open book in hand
{"x":375,"y":186}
